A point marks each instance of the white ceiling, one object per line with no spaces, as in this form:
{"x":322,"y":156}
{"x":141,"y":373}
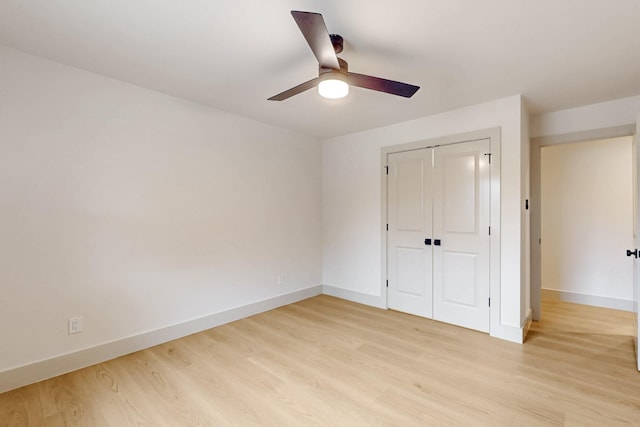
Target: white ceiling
{"x":233,"y":55}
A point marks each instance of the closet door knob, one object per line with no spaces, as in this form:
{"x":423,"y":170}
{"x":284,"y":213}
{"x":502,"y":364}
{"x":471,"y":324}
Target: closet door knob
{"x":436,"y":242}
{"x":427,"y":242}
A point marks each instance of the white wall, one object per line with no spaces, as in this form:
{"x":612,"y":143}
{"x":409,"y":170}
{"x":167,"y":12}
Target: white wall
{"x":138,"y":211}
{"x":619,"y":112}
{"x":352,"y":202}
{"x":587,"y":220}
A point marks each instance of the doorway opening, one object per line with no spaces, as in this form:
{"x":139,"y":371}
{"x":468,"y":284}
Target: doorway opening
{"x":586,"y":223}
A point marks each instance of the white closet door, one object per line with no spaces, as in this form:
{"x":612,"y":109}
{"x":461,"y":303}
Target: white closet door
{"x":461,"y":226}
{"x":410,"y":221}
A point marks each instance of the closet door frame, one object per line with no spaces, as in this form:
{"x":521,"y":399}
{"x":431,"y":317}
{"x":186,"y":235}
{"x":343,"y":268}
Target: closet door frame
{"x":493,"y":134}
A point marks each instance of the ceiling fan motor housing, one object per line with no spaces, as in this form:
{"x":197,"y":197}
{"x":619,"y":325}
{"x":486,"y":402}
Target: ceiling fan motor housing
{"x":337,"y":41}
{"x":330,"y":72}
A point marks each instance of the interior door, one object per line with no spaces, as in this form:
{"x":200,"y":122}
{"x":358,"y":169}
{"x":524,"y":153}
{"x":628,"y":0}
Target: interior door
{"x":409,"y":259}
{"x":461,"y":192}
{"x":636,"y":232}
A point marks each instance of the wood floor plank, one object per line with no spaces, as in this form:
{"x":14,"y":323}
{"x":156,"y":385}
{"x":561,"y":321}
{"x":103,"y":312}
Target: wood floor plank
{"x":122,"y":401}
{"x":327,"y":362}
{"x":21,"y":407}
{"x":67,"y":398}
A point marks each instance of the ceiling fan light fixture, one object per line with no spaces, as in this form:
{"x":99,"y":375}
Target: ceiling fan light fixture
{"x":333,"y":88}
{"x":334,"y":78}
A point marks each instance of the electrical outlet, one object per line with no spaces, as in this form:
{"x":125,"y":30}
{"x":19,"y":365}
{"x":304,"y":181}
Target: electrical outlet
{"x":281,"y":279}
{"x":75,"y":325}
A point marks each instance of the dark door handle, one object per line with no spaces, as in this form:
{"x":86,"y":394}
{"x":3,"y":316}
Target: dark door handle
{"x":634,"y":253}
{"x":436,"y":242}
{"x":427,"y":242}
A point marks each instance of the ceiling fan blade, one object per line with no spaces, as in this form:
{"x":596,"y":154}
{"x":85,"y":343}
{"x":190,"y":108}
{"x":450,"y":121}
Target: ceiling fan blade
{"x":382,"y":85}
{"x":315,"y":32}
{"x":295,"y":90}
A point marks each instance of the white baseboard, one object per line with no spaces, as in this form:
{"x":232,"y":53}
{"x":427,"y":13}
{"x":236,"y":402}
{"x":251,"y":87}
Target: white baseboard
{"x":38,"y":371}
{"x":508,"y":333}
{"x":355,"y":296}
{"x":593,"y":300}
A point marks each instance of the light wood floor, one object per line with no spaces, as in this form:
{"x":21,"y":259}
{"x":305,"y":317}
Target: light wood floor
{"x":329,"y":362}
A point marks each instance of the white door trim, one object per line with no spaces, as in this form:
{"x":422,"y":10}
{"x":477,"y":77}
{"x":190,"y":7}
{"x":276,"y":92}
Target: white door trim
{"x":494,"y":253}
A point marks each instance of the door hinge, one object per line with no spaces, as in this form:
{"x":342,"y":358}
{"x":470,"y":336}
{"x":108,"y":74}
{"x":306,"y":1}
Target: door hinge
{"x":489,"y":302}
{"x":526,"y":204}
{"x":387,"y":227}
{"x":387,"y":283}
{"x":489,"y":230}
{"x":489,"y":156}
{"x":386,"y":168}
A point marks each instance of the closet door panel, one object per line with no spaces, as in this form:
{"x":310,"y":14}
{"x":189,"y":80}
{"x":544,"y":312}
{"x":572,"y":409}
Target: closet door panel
{"x":461,"y":223}
{"x":409,"y":217}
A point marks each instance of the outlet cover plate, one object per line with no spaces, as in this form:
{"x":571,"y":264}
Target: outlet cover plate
{"x":76,"y":324}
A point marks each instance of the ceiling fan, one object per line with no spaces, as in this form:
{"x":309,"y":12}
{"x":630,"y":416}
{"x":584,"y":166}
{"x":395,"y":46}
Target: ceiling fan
{"x":334,"y":77}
